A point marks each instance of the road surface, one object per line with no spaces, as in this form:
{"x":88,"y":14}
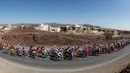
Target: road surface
{"x":67,"y":64}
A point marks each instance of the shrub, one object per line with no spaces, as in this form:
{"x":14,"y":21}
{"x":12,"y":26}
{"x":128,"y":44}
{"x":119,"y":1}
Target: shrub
{"x":121,"y":37}
{"x":63,"y":29}
{"x":73,"y":28}
{"x":98,"y":37}
{"x":108,"y":35}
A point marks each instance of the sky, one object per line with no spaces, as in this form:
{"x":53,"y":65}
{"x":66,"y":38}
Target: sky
{"x":104,"y":13}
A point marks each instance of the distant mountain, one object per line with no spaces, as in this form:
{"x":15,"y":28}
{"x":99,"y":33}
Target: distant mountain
{"x":57,"y":24}
{"x":89,"y":25}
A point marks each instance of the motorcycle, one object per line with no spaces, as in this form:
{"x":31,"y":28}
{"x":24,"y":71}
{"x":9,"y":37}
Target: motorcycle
{"x":81,"y":54}
{"x":67,"y":55}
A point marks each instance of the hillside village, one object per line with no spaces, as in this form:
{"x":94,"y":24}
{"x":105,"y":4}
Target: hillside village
{"x":59,"y":34}
{"x":64,"y":28}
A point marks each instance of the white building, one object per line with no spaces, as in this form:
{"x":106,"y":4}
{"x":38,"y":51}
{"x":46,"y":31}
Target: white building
{"x":49,"y":28}
{"x":44,"y":27}
{"x":14,"y":27}
{"x":76,"y":25}
{"x":1,"y":27}
{"x":8,"y":27}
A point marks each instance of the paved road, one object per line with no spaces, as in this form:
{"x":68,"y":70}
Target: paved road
{"x":74,"y":64}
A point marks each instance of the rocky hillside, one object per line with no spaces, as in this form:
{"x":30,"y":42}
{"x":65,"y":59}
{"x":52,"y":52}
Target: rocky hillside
{"x":31,"y":36}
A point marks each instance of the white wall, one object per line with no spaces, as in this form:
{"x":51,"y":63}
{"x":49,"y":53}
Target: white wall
{"x":56,"y":29}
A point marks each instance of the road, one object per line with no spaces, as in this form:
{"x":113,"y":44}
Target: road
{"x":74,"y":64}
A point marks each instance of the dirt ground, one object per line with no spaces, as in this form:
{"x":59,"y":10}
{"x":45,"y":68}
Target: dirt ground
{"x":31,"y":36}
{"x":127,"y":70}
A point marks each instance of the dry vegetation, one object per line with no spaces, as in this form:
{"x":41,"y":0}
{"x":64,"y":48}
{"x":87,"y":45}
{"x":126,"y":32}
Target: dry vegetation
{"x":31,"y":36}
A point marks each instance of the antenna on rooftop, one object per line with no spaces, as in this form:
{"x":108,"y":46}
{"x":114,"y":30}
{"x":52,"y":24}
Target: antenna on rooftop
{"x":70,"y":21}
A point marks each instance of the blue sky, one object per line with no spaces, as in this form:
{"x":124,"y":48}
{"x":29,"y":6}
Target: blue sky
{"x":105,"y":13}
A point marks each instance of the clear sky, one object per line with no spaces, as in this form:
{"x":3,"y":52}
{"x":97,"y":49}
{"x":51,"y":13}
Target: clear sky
{"x":105,"y":13}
